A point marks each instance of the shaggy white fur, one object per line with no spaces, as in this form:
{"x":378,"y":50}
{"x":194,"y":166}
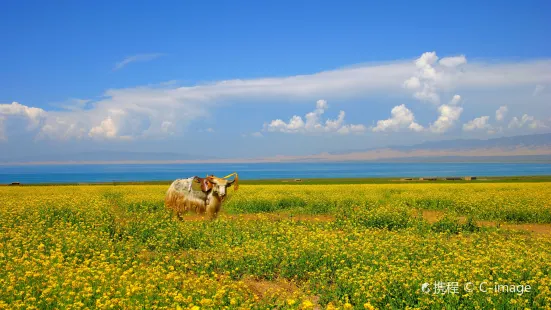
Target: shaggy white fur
{"x":182,"y":197}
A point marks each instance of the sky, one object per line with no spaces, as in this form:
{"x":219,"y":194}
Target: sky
{"x":238,"y":79}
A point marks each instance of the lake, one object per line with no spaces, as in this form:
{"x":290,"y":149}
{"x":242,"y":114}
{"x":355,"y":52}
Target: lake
{"x":257,"y":171}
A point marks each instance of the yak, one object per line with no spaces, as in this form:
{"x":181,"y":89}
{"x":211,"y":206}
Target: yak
{"x":198,"y":195}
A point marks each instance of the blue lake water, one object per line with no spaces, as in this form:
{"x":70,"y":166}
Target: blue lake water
{"x":154,"y":172}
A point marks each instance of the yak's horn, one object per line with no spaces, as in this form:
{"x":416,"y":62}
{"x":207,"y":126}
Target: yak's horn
{"x":235,"y":180}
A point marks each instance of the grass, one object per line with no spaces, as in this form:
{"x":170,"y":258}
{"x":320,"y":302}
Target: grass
{"x":283,"y":246}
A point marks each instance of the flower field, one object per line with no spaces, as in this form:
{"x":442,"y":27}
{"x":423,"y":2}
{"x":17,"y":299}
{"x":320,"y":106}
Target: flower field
{"x":289,"y":246}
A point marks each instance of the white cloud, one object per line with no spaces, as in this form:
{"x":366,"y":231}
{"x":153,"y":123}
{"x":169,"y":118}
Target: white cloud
{"x":31,"y":117}
{"x":477,"y":124}
{"x":166,"y":126}
{"x":136,"y":58}
{"x":452,"y":62}
{"x":537,"y":124}
{"x":487,"y":76}
{"x":152,"y":111}
{"x":501,"y":113}
{"x":426,"y":61}
{"x":455,"y":100}
{"x":401,"y":118}
{"x":528,"y":121}
{"x":538,"y":90}
{"x":106,"y":129}
{"x":346,"y":129}
{"x":412,"y":83}
{"x":313,"y":123}
{"x":482,"y":123}
{"x":449,"y":114}
{"x":519,"y":123}
{"x":427,"y":78}
{"x":494,"y":130}
{"x":321,"y":105}
{"x":430,"y":74}
{"x":256,"y":134}
{"x":62,"y":128}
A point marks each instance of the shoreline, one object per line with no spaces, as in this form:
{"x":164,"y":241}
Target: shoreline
{"x":315,"y":181}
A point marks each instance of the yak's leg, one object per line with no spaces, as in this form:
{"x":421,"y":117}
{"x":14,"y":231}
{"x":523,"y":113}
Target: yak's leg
{"x":213,"y":208}
{"x":188,"y":206}
{"x":217,"y":207}
{"x":178,"y":209}
{"x":211,"y":213}
{"x":199,"y":206}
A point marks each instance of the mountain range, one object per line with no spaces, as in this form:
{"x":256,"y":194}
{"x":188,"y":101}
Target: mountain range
{"x":526,"y":148}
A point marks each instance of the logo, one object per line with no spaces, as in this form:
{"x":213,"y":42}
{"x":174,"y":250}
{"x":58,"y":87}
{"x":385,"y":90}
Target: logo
{"x":425,"y":288}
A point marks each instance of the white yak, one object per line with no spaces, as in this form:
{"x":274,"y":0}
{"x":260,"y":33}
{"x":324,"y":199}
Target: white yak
{"x":198,"y":195}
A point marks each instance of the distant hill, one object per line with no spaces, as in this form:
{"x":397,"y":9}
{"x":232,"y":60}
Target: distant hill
{"x":506,"y":143}
{"x":470,"y":159}
{"x":529,"y":141}
{"x":522,"y":149}
{"x":527,"y":148}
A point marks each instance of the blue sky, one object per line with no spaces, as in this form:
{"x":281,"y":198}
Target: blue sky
{"x":148,"y":76}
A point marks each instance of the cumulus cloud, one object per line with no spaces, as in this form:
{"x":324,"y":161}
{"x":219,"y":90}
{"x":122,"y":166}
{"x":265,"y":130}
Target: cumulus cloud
{"x":494,"y":130}
{"x":455,"y":100}
{"x":30,"y":117}
{"x":256,"y":134}
{"x":501,"y":113}
{"x":62,"y":128}
{"x":526,"y":121}
{"x":538,"y":90}
{"x":452,"y":62}
{"x":449,"y":114}
{"x":136,"y":58}
{"x":313,"y":123}
{"x":519,"y":123}
{"x":106,"y":129}
{"x":157,"y":110}
{"x":431,"y":74}
{"x":412,"y":83}
{"x":537,"y":124}
{"x":400,"y":118}
{"x":166,"y":127}
{"x":427,"y":77}
{"x":128,"y":113}
{"x":33,"y":115}
{"x":346,"y":129}
{"x":477,"y":124}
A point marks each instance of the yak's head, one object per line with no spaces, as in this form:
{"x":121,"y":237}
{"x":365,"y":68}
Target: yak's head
{"x":220,"y":185}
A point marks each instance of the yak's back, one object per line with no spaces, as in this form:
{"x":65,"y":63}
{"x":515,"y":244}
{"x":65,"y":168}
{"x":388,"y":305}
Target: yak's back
{"x":187,"y":188}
